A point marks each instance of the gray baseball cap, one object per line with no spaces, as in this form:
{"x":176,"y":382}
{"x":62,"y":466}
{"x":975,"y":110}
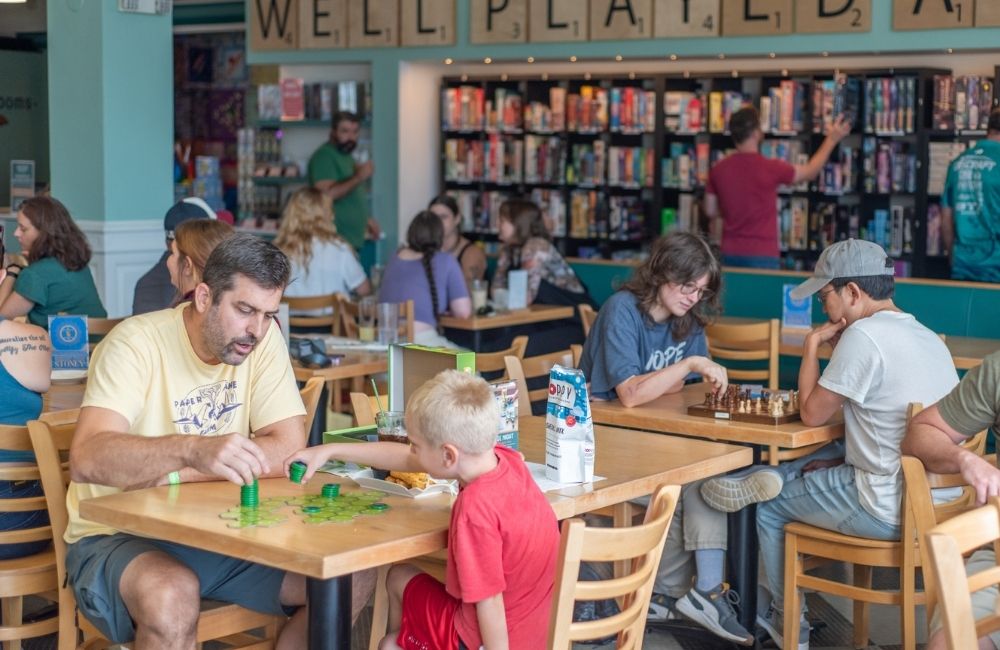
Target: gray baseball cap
{"x":851,"y":258}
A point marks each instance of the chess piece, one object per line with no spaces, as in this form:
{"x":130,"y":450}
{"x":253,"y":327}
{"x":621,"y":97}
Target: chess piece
{"x":758,"y":408}
{"x":780,"y":407}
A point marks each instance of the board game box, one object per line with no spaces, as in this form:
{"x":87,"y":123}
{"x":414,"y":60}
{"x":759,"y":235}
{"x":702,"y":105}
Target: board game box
{"x":742,"y":404}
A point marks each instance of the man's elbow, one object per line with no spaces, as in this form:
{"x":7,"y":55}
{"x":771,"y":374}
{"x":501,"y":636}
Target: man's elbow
{"x":812,"y":419}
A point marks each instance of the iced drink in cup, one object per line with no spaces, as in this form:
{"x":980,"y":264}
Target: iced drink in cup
{"x":366,"y":318}
{"x":391,"y":428}
{"x":479,"y":290}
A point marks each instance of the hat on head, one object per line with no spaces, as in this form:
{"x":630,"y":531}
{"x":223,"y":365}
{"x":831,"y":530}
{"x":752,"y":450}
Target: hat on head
{"x":851,"y":258}
{"x":192,"y":207}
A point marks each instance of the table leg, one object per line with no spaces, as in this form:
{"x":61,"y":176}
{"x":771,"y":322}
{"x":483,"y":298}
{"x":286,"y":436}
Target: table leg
{"x":477,"y":340}
{"x":319,"y":422}
{"x":743,"y":554}
{"x":329,"y":613}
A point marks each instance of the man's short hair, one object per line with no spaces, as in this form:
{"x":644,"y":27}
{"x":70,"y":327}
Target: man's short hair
{"x":344,"y":116}
{"x":743,"y":123}
{"x":878,"y":287}
{"x":994,"y":123}
{"x":456,"y":408}
{"x":247,"y":255}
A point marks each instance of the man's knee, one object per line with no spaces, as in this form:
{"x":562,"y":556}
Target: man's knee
{"x":162,"y":594}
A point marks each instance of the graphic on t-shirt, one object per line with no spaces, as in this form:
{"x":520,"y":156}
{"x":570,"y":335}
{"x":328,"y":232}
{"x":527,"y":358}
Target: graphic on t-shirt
{"x":207,"y":410}
{"x":660,"y":359}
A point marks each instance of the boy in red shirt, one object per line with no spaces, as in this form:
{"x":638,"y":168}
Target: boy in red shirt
{"x":503,"y":540}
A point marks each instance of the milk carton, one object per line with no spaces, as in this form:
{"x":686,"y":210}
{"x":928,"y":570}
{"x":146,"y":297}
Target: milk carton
{"x":569,"y":431}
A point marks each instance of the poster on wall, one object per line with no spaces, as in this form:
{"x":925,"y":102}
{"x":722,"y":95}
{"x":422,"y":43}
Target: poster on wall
{"x":22,"y":182}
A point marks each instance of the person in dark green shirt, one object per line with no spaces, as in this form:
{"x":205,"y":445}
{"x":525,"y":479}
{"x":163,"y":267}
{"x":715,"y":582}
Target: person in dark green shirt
{"x":56,"y":279}
{"x":970,"y":209}
{"x":334,"y":171}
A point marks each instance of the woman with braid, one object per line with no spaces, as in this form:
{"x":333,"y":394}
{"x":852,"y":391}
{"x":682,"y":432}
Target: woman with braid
{"x":431,"y":278}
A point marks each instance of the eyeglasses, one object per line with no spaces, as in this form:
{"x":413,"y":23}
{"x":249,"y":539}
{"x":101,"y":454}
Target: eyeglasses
{"x":704,"y":293}
{"x":821,"y":296}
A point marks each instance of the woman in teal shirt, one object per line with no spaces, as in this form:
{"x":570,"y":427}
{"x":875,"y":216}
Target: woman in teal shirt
{"x":56,"y":279}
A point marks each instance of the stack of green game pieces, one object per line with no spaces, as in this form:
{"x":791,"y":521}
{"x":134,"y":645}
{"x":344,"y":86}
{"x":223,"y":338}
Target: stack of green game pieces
{"x":249,"y":497}
{"x":331,"y":490}
{"x":296,"y":471}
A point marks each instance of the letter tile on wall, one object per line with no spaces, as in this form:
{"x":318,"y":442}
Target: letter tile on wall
{"x":621,"y":19}
{"x":685,"y":18}
{"x":558,"y":20}
{"x":498,"y":21}
{"x":323,"y":24}
{"x":832,"y":16}
{"x":757,"y":17}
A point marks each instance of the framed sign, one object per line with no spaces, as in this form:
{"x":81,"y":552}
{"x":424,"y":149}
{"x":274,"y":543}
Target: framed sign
{"x":22,"y":182}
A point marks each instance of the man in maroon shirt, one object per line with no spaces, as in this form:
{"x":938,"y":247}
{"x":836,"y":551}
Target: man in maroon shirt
{"x":742,"y":190}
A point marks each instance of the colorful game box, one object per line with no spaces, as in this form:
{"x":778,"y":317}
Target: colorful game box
{"x":411,"y":365}
{"x":505,"y":393}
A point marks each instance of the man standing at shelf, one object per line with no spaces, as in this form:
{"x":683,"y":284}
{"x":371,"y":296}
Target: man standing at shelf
{"x":742,"y":190}
{"x":335,"y":172}
{"x":970,"y":209}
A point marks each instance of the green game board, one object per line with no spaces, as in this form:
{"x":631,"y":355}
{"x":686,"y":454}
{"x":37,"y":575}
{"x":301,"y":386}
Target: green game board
{"x":312,"y":508}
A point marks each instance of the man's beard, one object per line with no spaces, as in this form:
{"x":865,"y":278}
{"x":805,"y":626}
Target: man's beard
{"x":226,"y":351}
{"x":347,"y":147}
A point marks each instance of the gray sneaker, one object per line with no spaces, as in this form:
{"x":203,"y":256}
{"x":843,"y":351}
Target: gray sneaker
{"x":713,"y":610}
{"x":661,"y":609}
{"x":730,"y":494}
{"x":774,"y":624}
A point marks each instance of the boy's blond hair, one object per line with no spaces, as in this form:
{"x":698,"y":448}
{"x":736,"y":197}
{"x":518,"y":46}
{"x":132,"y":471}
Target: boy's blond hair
{"x":456,"y":408}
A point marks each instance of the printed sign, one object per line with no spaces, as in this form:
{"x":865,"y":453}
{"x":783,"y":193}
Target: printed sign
{"x":22,"y":182}
{"x":69,"y":342}
{"x":795,"y":314}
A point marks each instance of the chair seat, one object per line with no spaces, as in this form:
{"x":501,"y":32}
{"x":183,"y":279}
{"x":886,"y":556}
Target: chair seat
{"x":832,"y":536}
{"x":37,"y":563}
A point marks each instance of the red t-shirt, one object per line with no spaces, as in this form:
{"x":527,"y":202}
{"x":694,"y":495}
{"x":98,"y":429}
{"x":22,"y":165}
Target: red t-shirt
{"x":746,"y":185}
{"x":503,"y":538}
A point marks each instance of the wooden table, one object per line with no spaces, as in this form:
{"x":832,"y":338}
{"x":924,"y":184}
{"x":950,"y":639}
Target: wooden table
{"x":328,"y":554}
{"x":668,"y":414}
{"x":967,"y":352}
{"x":64,"y":396}
{"x":532,"y":314}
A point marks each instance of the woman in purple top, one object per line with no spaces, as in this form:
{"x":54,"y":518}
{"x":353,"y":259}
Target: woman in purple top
{"x":432,"y":279}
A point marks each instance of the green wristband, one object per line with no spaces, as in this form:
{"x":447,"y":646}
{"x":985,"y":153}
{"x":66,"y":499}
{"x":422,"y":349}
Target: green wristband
{"x":174,"y":478}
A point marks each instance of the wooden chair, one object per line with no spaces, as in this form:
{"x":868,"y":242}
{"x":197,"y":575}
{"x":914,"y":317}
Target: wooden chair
{"x":33,"y":575}
{"x":493,"y":362}
{"x":527,"y":368}
{"x":642,"y":545}
{"x":349,"y":318}
{"x":329,"y":303}
{"x":587,"y":317}
{"x":919,"y":514}
{"x":310,"y":399}
{"x":948,"y":543}
{"x":51,"y":437}
{"x":365,"y":407}
{"x":101,"y":326}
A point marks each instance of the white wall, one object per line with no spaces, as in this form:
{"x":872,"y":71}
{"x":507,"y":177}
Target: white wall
{"x":419,"y":139}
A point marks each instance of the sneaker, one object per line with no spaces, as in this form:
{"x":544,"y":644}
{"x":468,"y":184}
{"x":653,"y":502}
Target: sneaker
{"x":730,"y":494}
{"x":774,"y":624}
{"x":661,"y":609}
{"x":714,"y":611}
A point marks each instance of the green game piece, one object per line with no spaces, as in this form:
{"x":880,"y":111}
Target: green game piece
{"x":379,"y":506}
{"x":296,"y":471}
{"x":331,"y":490}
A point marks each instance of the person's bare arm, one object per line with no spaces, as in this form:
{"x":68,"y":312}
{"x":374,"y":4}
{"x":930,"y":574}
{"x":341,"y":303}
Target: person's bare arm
{"x":13,"y":304}
{"x":385,"y":455}
{"x":492,"y":619}
{"x":104,"y":452}
{"x":836,"y":132}
{"x":639,"y":389}
{"x":460,"y":307}
{"x":817,"y":404}
{"x":26,"y":354}
{"x":339,"y":189}
{"x":947,"y":230}
{"x":364,"y":289}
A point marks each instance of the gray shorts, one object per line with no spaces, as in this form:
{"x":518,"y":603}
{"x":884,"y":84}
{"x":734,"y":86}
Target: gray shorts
{"x":984,"y":601}
{"x":94,"y":567}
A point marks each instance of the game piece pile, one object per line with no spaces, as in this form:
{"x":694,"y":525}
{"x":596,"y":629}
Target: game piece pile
{"x":330,"y":506}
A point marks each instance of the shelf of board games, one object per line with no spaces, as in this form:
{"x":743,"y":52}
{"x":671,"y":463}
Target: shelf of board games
{"x":286,"y":122}
{"x":613,"y":161}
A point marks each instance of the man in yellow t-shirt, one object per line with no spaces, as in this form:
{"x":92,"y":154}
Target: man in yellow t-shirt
{"x":172,"y":398}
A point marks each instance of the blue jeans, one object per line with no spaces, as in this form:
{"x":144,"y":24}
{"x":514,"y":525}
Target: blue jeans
{"x":826,"y":498}
{"x":752,"y":261}
{"x":22,"y":520}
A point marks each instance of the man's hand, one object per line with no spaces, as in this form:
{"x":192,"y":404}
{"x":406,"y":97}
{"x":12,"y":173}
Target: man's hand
{"x":814,"y":465}
{"x":838,"y":129}
{"x":981,"y":475}
{"x":364,"y":171}
{"x":710,"y":371}
{"x":233,"y":457}
{"x":828,"y":332}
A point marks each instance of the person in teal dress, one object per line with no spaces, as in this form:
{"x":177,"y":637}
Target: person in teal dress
{"x":56,"y":279}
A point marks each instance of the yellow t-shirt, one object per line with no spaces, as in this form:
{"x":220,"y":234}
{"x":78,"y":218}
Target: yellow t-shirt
{"x":147,"y":371}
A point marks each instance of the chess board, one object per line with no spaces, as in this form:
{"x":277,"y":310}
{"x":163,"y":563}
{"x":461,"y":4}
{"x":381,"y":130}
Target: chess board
{"x":727,"y":406}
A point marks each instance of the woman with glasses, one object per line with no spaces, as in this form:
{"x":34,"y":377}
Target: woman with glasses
{"x":648,"y":339}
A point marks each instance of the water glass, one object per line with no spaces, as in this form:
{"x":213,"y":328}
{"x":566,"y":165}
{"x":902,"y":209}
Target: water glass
{"x":388,"y":322}
{"x":367,"y":308}
{"x":479,"y":291}
{"x":500,"y":300}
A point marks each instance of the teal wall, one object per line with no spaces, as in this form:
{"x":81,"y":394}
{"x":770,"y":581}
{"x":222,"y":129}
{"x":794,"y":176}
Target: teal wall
{"x":24,"y":111}
{"x":110,"y":110}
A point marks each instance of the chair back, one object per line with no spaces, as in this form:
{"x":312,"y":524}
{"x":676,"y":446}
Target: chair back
{"x":642,"y":545}
{"x":493,"y":362}
{"x":365,"y":407}
{"x":948,"y":543}
{"x":747,"y":342}
{"x":329,"y":304}
{"x":17,"y":439}
{"x":310,"y":393}
{"x":587,"y":316}
{"x":51,"y":437}
{"x":349,"y":318}
{"x":524,"y":369}
{"x":101,"y":326}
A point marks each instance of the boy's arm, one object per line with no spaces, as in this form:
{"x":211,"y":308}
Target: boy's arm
{"x":384,"y":455}
{"x":492,"y":620}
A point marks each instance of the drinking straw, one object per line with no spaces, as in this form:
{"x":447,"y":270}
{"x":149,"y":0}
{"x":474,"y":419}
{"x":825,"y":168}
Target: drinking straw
{"x":378,"y":399}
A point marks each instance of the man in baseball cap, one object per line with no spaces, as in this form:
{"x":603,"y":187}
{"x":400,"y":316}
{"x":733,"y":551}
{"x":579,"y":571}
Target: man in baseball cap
{"x":882,"y":360}
{"x":153,"y":291}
